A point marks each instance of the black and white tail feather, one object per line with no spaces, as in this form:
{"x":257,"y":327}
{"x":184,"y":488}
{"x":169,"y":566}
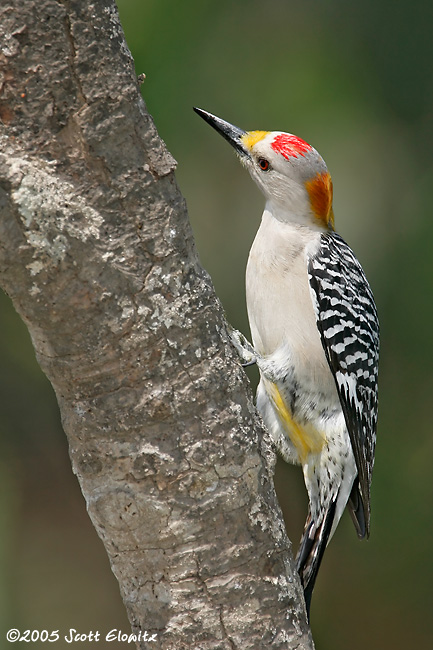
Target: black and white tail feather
{"x":311,"y":550}
{"x":347,"y":320}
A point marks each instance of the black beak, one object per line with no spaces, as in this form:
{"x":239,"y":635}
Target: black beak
{"x":231,"y":133}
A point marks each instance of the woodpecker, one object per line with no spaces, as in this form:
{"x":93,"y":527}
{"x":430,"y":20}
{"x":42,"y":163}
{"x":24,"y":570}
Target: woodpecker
{"x":315,"y":336}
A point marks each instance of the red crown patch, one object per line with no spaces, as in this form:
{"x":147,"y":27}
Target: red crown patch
{"x":289,"y":146}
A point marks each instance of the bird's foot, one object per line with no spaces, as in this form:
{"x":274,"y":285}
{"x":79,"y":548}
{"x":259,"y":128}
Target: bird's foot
{"x":245,"y":350}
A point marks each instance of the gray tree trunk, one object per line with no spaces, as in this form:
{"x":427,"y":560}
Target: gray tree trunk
{"x":97,"y":255}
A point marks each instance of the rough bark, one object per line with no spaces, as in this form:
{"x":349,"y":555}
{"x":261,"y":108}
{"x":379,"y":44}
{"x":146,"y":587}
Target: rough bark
{"x":97,"y":255}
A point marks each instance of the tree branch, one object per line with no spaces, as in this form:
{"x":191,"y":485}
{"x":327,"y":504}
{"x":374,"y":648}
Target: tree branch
{"x":97,"y":255}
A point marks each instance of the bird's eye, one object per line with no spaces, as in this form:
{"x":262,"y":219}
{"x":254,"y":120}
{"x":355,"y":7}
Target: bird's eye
{"x":263,"y":164}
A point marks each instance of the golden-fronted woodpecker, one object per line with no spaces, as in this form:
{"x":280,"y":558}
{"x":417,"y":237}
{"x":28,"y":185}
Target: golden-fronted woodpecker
{"x":315,"y":336}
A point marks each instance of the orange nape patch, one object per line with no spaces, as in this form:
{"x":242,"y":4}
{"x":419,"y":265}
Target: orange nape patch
{"x":253,"y":137}
{"x":306,"y":439}
{"x":320,"y":192}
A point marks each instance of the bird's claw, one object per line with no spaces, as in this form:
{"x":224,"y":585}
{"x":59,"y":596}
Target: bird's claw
{"x":243,"y":347}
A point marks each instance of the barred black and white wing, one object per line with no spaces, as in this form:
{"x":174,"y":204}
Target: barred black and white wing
{"x":347,"y":320}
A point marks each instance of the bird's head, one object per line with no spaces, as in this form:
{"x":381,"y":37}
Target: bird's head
{"x":291,"y":173}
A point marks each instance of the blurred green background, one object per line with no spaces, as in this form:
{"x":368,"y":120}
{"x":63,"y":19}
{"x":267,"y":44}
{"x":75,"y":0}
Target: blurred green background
{"x":356,"y":81}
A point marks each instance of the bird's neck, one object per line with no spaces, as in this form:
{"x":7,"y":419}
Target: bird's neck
{"x":301,"y":216}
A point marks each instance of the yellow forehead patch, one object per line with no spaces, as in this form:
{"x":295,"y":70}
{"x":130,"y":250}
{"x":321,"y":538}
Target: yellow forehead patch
{"x":253,"y":137}
{"x":320,"y":192}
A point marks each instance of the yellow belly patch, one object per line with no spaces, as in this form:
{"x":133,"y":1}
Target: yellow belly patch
{"x":307,"y":440}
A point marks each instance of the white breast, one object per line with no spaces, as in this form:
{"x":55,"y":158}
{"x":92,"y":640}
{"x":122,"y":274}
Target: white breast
{"x":280,"y":308}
